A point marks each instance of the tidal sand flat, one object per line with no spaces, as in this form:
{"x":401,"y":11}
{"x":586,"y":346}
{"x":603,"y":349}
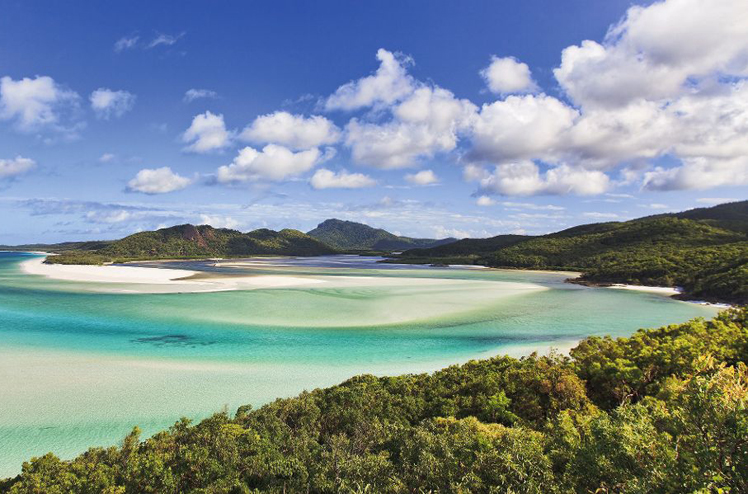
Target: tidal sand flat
{"x":82,"y":363}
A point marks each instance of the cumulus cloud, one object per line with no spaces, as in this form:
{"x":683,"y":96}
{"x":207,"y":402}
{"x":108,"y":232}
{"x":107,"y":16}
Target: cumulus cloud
{"x":327,"y":179}
{"x":192,"y":94}
{"x":524,"y":178}
{"x":108,"y":103}
{"x":485,"y":201}
{"x":207,"y":133}
{"x":157,"y":181}
{"x":521,"y":128}
{"x":424,"y":177}
{"x":389,"y":84}
{"x":427,"y":122}
{"x":274,"y":163}
{"x":35,"y":103}
{"x":293,"y":131}
{"x":508,"y":75}
{"x":668,"y":80}
{"x":219,"y":221}
{"x":107,"y":157}
{"x":10,"y":168}
{"x":655,"y":50}
{"x":699,"y":173}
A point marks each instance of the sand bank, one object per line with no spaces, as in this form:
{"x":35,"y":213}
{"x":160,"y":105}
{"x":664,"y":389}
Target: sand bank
{"x":138,"y":279}
{"x":134,"y":279}
{"x":661,"y":290}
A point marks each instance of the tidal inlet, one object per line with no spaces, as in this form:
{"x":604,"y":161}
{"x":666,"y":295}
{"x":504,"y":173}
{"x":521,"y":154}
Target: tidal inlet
{"x":87,"y":354}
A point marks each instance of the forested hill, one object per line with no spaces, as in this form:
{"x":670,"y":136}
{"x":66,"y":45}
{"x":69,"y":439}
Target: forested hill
{"x":664,"y":411}
{"x":189,"y":241}
{"x":705,"y":251}
{"x":349,"y":235}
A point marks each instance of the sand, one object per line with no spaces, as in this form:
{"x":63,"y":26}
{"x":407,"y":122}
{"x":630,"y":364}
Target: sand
{"x":137,"y":279}
{"x":134,"y":279}
{"x":660,"y":290}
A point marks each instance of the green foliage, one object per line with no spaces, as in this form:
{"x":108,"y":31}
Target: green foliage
{"x":192,"y":242}
{"x":351,"y":236}
{"x":663,"y":411}
{"x":705,"y":251}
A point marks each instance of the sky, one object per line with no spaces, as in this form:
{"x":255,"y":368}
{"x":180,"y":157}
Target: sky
{"x":427,"y":118}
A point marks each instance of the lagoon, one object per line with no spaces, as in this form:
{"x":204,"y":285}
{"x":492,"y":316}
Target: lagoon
{"x":81,"y":363}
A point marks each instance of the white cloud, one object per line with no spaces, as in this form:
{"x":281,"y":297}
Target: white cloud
{"x":699,"y":173}
{"x":106,"y":158}
{"x":207,"y":133}
{"x":521,"y":128}
{"x":655,"y":50}
{"x":107,"y":103}
{"x":389,"y":84}
{"x":293,"y":131}
{"x":35,"y":103}
{"x":715,"y":200}
{"x":126,"y":43}
{"x":524,"y":178}
{"x":485,"y":201}
{"x":327,"y":179}
{"x":219,"y":221}
{"x":274,"y":163}
{"x":427,"y":122}
{"x":508,"y":75}
{"x":192,"y":94}
{"x":531,"y":206}
{"x":424,"y":177}
{"x":600,"y":216}
{"x":164,"y":39}
{"x":157,"y":181}
{"x":14,"y":167}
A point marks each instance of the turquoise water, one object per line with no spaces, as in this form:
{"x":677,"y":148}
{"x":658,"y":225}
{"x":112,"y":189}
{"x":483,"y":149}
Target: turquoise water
{"x":80,"y":368}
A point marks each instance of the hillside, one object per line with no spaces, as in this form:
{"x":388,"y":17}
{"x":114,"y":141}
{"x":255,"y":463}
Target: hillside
{"x":350,"y":236}
{"x":665,"y":410}
{"x":705,"y":251}
{"x":189,"y":241}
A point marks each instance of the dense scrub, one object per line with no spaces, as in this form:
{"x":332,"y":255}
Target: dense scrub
{"x":705,"y":251}
{"x":352,"y":236}
{"x":188,"y":241}
{"x":665,"y":410}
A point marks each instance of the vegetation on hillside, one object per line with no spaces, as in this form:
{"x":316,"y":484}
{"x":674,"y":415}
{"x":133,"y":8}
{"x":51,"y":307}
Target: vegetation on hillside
{"x":665,"y":410}
{"x":705,"y":251}
{"x":188,"y":241}
{"x":351,"y":236}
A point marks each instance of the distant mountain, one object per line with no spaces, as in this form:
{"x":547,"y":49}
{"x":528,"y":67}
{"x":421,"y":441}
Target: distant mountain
{"x":189,"y":241}
{"x":349,"y":235}
{"x":703,"y":250}
{"x":61,"y":247}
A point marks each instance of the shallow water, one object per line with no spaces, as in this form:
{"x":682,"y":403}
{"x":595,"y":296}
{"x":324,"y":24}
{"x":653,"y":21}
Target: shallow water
{"x":79,"y":368}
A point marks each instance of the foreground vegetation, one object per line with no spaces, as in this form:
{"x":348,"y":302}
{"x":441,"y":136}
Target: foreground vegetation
{"x":195,"y":242}
{"x":705,"y":251}
{"x":665,"y":410}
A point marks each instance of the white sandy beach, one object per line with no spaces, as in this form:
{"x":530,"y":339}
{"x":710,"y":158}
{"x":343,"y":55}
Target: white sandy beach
{"x":661,"y":290}
{"x":137,"y":279}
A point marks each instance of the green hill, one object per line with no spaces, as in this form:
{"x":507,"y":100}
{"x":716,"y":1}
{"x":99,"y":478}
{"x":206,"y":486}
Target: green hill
{"x":705,"y":251}
{"x":189,"y":241}
{"x":348,"y":235}
{"x":664,"y":411}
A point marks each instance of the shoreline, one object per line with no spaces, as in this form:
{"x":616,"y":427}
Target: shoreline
{"x":138,"y":279}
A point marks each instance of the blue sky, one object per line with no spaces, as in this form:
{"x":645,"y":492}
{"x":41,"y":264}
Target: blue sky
{"x":433,"y":118}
